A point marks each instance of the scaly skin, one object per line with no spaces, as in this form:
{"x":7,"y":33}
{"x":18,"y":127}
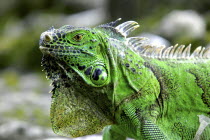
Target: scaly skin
{"x":101,"y":80}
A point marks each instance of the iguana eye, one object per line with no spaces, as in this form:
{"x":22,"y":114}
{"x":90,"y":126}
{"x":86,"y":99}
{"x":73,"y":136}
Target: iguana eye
{"x":78,"y":37}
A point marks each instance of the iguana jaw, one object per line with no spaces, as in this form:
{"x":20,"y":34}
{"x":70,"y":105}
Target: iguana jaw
{"x":44,"y":50}
{"x":67,"y":119}
{"x":56,"y":52}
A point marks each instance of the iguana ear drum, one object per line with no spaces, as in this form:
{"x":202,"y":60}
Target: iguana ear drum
{"x":98,"y":75}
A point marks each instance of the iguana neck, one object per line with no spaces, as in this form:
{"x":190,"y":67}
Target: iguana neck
{"x":131,"y":77}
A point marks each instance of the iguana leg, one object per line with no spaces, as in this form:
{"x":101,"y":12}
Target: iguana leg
{"x":110,"y":134}
{"x":150,"y":131}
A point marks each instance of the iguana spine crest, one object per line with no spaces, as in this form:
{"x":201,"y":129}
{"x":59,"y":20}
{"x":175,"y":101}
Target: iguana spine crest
{"x":144,"y":48}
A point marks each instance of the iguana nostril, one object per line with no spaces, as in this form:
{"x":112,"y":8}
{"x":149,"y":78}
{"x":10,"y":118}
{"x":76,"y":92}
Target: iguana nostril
{"x":47,"y":38}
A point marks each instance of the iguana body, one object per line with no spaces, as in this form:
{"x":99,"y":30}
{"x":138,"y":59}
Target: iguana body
{"x":102,"y":78}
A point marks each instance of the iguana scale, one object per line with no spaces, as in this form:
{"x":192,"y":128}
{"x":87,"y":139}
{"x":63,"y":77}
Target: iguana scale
{"x":102,"y":78}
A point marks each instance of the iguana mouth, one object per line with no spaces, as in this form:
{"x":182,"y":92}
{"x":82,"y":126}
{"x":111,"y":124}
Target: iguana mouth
{"x":44,"y":49}
{"x":67,"y":51}
{"x":51,"y":50}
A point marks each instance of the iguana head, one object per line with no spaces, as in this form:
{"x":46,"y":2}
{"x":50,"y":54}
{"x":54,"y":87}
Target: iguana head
{"x":85,"y":50}
{"x":78,"y":61}
{"x":81,"y":49}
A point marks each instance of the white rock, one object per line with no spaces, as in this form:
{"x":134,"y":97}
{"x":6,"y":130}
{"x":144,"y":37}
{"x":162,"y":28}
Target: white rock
{"x":186,"y":23}
{"x":155,"y":40}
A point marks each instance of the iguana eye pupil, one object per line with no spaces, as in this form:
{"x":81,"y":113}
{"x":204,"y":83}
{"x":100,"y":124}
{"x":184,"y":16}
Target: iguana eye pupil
{"x":78,"y":37}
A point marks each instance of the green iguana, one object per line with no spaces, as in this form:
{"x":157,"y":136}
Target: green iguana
{"x":102,"y":78}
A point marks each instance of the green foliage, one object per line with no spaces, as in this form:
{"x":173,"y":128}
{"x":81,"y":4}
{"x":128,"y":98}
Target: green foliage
{"x":21,"y":52}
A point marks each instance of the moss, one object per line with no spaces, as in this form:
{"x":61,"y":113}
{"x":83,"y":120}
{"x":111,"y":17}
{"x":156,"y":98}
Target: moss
{"x":36,"y":116}
{"x":41,"y":119}
{"x":11,"y":79}
{"x":16,"y":113}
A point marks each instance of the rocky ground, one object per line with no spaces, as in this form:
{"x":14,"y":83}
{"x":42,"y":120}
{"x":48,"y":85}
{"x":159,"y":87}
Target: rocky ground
{"x":25,"y":107}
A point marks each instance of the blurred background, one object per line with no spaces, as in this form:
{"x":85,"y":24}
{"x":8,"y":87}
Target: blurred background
{"x":24,"y":97}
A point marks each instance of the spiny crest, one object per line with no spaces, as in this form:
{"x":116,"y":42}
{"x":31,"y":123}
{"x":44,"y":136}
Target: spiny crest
{"x":146,"y":49}
{"x":127,"y":27}
{"x":111,"y":24}
{"x":123,"y":29}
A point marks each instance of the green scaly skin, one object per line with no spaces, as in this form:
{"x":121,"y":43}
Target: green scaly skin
{"x":100,"y":81}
